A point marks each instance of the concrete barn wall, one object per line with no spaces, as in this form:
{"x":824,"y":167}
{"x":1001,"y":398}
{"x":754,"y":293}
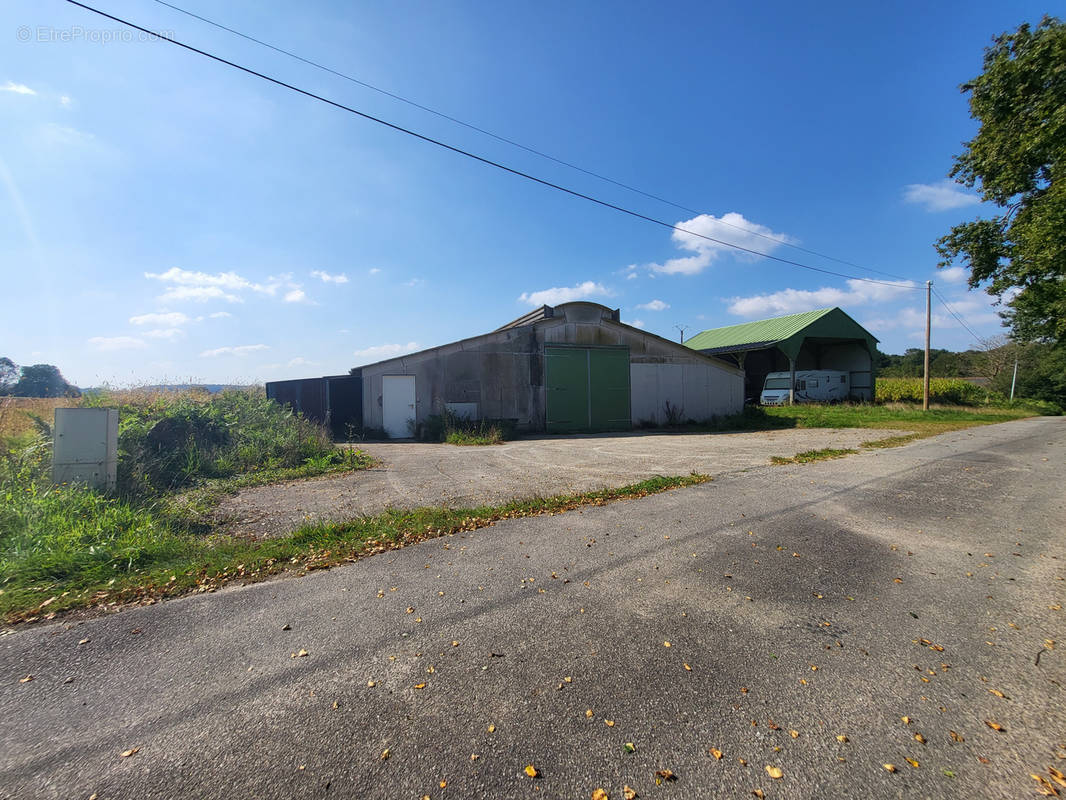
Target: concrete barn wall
{"x":855,"y":358}
{"x":503,"y":372}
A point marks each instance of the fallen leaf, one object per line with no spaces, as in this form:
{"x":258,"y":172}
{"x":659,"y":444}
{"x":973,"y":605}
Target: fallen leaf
{"x":27,"y":679}
{"x":743,"y":689}
{"x":955,"y":737}
{"x":371,"y":683}
{"x":1046,"y":787}
{"x":912,"y":762}
{"x":629,"y":793}
{"x":714,"y":751}
{"x":994,"y":725}
{"x":300,"y":654}
{"x":492,"y":729}
{"x":630,"y":747}
{"x":410,"y":610}
{"x":385,"y":754}
{"x":1057,"y":776}
{"x":757,"y":792}
{"x":906,"y":720}
{"x":455,"y":644}
{"x":609,"y":723}
{"x":128,"y":753}
{"x":588,"y":713}
{"x":666,"y":644}
{"x":889,"y":767}
{"x":84,"y":641}
{"x":531,"y":771}
{"x":919,"y":738}
{"x":998,"y":693}
{"x":598,"y":794}
{"x":664,"y":775}
{"x":443,"y":784}
{"x":420,"y":686}
{"x":742,"y":762}
{"x":842,"y":739}
{"x":774,"y":772}
{"x":688,"y":668}
{"x":794,"y":734}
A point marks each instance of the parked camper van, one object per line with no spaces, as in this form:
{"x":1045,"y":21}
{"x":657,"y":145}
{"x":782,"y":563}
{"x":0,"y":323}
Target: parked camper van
{"x":812,"y":386}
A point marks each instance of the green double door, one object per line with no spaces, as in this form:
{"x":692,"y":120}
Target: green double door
{"x":587,"y":388}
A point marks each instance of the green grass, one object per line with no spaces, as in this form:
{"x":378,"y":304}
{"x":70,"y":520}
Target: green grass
{"x":808,"y":456}
{"x":489,"y":436}
{"x":123,"y":554}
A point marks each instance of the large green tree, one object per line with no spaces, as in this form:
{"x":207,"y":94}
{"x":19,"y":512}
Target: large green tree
{"x":1017,"y":162}
{"x":44,"y":380}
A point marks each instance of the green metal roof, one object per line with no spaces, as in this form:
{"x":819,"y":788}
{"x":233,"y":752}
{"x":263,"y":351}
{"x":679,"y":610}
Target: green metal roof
{"x":785,"y":333}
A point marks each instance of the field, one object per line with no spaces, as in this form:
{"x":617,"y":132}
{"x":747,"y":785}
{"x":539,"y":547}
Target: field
{"x":17,"y":413}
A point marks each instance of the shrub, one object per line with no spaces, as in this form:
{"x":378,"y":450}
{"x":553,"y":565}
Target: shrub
{"x":168,"y":441}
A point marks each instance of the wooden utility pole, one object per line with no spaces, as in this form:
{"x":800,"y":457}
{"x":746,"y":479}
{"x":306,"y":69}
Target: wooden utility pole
{"x":928,"y":325}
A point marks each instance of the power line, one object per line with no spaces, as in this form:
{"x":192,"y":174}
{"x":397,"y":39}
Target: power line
{"x":474,"y":156}
{"x":514,"y":143}
{"x":957,"y":317}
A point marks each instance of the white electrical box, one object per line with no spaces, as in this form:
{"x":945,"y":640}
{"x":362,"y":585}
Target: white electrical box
{"x":85,"y":449}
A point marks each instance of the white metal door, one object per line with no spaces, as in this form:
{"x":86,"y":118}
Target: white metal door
{"x":398,"y":405}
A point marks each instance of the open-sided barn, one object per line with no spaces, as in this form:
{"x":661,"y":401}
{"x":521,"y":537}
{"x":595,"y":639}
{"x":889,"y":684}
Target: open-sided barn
{"x":823,"y":339}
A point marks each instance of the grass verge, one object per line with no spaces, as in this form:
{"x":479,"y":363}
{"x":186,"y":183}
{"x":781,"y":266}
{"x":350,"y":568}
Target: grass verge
{"x":152,"y":559}
{"x":808,"y":456}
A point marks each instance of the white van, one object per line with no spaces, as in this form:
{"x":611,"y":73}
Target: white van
{"x":812,"y":386}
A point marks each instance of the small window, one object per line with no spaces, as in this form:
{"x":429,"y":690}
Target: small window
{"x":843,"y":378}
{"x":813,"y":383}
{"x":801,"y":386}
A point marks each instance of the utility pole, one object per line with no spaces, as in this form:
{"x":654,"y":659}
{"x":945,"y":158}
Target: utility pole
{"x":682,"y":328}
{"x":928,"y":325}
{"x":1014,"y":378}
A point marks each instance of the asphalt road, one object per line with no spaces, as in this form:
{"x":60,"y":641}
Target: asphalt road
{"x":799,"y":596}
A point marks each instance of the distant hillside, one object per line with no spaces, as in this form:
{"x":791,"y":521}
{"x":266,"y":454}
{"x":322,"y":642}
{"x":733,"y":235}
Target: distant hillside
{"x":210,"y":388}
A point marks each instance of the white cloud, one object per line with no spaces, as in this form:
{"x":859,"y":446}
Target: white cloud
{"x":731,"y":227}
{"x":170,"y":334}
{"x":954,"y":274}
{"x":188,"y":277}
{"x":109,"y":343}
{"x":414,"y":282}
{"x":198,"y":294}
{"x":300,"y":361}
{"x":564,"y":294}
{"x":654,"y":305}
{"x":630,"y":272}
{"x":325,"y":277}
{"x":64,"y":100}
{"x":219,"y":315}
{"x":942,"y":196}
{"x":384,"y":351}
{"x":17,"y":88}
{"x":168,"y":318}
{"x":373,"y":271}
{"x":793,"y":301}
{"x":296,"y":296}
{"x":637,"y":323}
{"x":239,"y":350}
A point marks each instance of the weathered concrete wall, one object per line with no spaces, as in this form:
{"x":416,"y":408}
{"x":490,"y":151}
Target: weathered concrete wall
{"x":853,"y":357}
{"x":503,"y":372}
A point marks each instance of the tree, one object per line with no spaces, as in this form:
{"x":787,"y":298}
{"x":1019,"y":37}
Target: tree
{"x":43,"y":380}
{"x":1017,"y":161}
{"x":9,"y":375}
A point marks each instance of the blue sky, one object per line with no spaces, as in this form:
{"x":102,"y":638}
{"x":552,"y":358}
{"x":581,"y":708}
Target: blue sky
{"x":163,"y":217}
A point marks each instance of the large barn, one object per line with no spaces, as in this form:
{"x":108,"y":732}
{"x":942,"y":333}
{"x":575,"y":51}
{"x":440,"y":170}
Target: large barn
{"x":574,"y":367}
{"x":568,"y":368}
{"x":823,"y":339}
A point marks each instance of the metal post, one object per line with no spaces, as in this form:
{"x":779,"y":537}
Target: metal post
{"x":792,"y":381}
{"x":928,"y":324}
{"x":1014,"y":378}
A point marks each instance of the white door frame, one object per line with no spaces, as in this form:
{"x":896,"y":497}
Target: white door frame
{"x":398,"y":405}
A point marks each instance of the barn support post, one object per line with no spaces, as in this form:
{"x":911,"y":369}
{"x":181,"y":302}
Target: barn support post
{"x":791,"y":381}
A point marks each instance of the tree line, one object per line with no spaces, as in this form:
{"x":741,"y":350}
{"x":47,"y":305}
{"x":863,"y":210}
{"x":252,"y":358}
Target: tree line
{"x":36,"y":380}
